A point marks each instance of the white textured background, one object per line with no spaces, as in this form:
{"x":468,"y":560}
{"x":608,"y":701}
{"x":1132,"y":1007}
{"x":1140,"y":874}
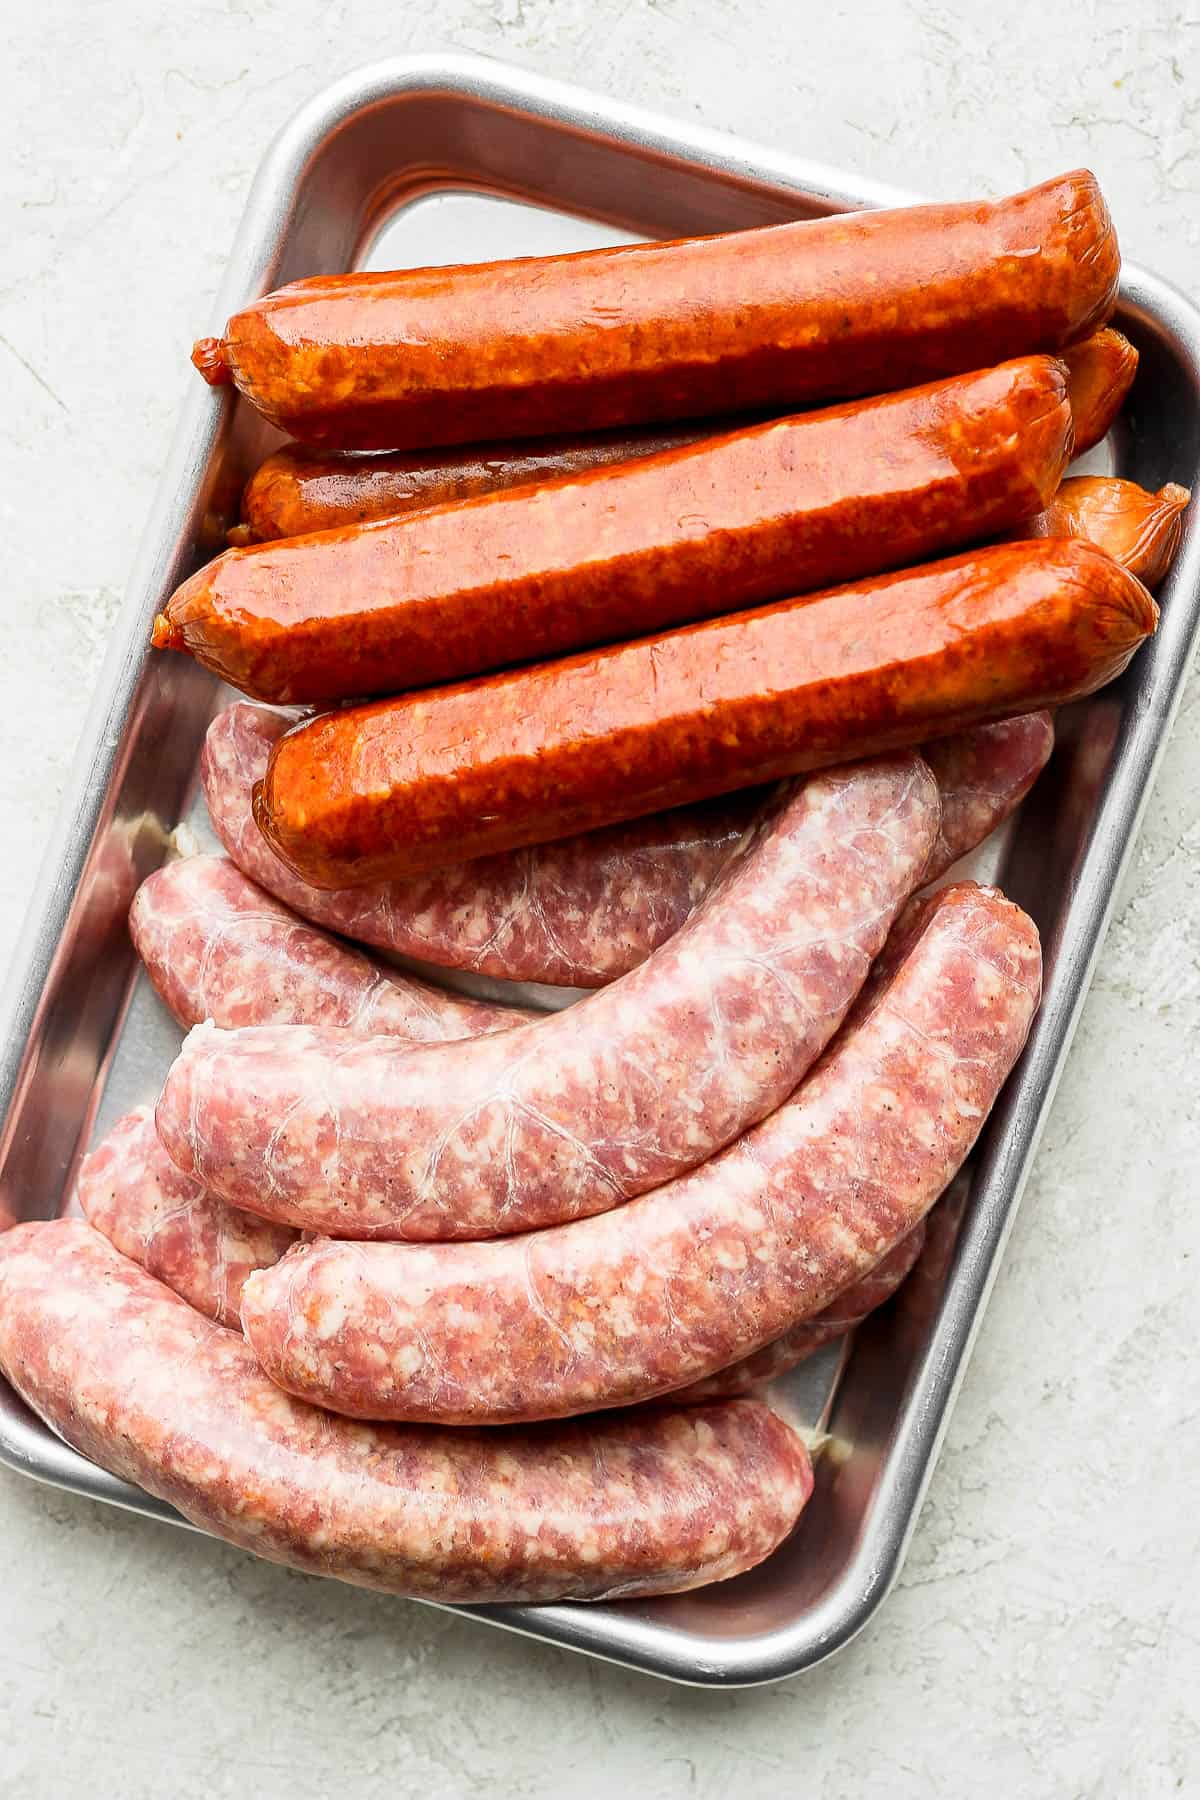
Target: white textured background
{"x":1045,"y":1638}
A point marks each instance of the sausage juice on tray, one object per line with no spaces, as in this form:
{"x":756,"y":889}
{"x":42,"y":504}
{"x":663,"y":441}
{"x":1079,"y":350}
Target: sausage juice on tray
{"x":298,"y":490}
{"x":774,"y":509}
{"x":579,"y":1110}
{"x":683,"y":1281}
{"x":780,"y":316}
{"x":410,"y":784}
{"x":652,"y":1502}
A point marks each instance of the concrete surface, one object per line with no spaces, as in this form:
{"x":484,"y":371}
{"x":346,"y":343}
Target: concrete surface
{"x":1044,"y":1639}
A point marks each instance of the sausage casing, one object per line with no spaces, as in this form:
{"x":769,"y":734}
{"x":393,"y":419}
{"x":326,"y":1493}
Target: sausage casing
{"x":781,"y":316}
{"x":683,"y":1281}
{"x":580,"y":1110}
{"x":414,"y":783}
{"x":129,"y":1374}
{"x":1139,"y":530}
{"x":1100,"y":372}
{"x":777,"y":508}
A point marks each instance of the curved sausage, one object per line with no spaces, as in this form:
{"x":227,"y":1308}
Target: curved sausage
{"x":217,"y":947}
{"x":577,"y":912}
{"x":780,"y":316}
{"x":778,"y":508}
{"x":684,"y":1281}
{"x":127,"y":1373}
{"x":1139,"y":530}
{"x":298,"y":489}
{"x":866,"y":1296}
{"x":580,"y":911}
{"x":410,"y":784}
{"x":131,"y":1191}
{"x":1100,"y":373}
{"x":585,"y":1108}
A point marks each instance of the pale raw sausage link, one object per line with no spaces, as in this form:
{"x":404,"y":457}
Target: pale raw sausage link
{"x":130,"y":1190}
{"x":577,"y":1112}
{"x":582,"y":910}
{"x":839,"y":1317}
{"x":686,"y":1280}
{"x":647,"y":1503}
{"x":216,"y":946}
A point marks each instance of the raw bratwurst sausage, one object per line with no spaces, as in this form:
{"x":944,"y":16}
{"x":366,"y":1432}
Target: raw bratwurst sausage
{"x":582,"y":1109}
{"x":217,"y":947}
{"x":780,"y":316}
{"x":298,"y":490}
{"x":579,"y":911}
{"x":775,"y":509}
{"x":130,"y":1190}
{"x":410,"y":784}
{"x":684,"y":1281}
{"x":840,"y":1316}
{"x":647,"y":1503}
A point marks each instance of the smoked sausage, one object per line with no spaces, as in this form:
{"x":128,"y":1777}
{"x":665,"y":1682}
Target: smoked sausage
{"x":129,"y":1189}
{"x":778,"y":508}
{"x":686,"y":1280}
{"x":651,"y":1502}
{"x":776,"y":317}
{"x":410,"y":784}
{"x":579,"y":911}
{"x":581,"y":1109}
{"x":1100,"y":373}
{"x":298,"y":489}
{"x":217,"y":947}
{"x":1139,"y":530}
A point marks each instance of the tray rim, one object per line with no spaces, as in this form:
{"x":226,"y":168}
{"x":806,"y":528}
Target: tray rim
{"x":623,"y":1636}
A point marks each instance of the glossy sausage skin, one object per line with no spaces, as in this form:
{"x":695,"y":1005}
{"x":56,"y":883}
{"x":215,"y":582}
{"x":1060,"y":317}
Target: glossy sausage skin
{"x":130,"y":1375}
{"x":581,"y":1109}
{"x":776,"y":317}
{"x":1100,"y":373}
{"x":298,"y":490}
{"x":131,"y":1191}
{"x":579,"y":911}
{"x":217,"y":947}
{"x":858,"y":1302}
{"x":410,"y":784}
{"x":774,"y":509}
{"x":686,"y":1280}
{"x":1139,"y":530}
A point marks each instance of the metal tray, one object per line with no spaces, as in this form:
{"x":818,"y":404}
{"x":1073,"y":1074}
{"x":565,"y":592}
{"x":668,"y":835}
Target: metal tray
{"x":458,"y":158}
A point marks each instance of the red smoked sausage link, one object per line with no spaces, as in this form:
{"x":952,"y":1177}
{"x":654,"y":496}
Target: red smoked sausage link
{"x":776,"y":317}
{"x":774,"y":509}
{"x":683,"y":1281}
{"x":645,"y":1503}
{"x":428,"y":779}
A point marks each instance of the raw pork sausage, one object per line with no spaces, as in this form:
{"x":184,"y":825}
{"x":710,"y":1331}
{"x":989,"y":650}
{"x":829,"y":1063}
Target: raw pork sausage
{"x":217,"y":947}
{"x":582,"y":910}
{"x":582,"y":1109}
{"x":647,"y":1503}
{"x":840,"y":1316}
{"x":684,"y":1281}
{"x":778,"y":508}
{"x":131,"y":1191}
{"x":776,"y":317}
{"x":410,"y":784}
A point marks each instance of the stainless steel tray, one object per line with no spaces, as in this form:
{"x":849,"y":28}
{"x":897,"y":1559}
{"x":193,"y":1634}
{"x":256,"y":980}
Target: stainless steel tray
{"x":454,"y":159}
